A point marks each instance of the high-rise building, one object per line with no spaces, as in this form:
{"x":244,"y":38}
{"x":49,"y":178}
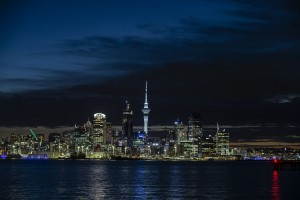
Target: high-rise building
{"x":195,"y":133}
{"x":222,"y":142}
{"x":179,"y":129}
{"x":88,"y":126}
{"x":174,"y":138}
{"x":208,"y":146}
{"x":79,"y":139}
{"x":99,"y":127}
{"x":127,"y":122}
{"x":194,"y":126}
{"x":146,"y":111}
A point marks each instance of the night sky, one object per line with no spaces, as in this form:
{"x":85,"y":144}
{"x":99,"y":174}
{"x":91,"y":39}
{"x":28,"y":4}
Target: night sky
{"x":235,"y":62}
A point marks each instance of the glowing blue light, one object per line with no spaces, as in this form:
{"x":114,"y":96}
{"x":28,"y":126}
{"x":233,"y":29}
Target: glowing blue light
{"x":141,"y":136}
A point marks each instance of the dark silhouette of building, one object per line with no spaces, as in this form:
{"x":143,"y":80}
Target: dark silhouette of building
{"x":54,"y":137}
{"x":127,"y":123}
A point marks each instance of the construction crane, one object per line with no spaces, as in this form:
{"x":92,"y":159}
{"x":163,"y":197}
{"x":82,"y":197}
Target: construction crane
{"x":33,"y":134}
{"x":38,"y":140}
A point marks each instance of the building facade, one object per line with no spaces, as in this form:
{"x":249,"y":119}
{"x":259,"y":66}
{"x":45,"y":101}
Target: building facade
{"x":127,"y":125}
{"x":195,"y":133}
{"x":222,"y":142}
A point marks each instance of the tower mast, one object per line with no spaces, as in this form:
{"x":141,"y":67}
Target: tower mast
{"x":146,"y":111}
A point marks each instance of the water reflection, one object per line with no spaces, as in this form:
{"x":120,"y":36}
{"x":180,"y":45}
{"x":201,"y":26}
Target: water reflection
{"x":96,"y":182}
{"x":91,"y":179}
{"x":139,"y":181}
{"x":275,"y":186}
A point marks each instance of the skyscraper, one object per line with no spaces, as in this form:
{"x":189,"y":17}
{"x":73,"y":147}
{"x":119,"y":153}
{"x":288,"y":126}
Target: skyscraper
{"x":179,"y":130}
{"x":195,"y":133}
{"x":194,"y":126}
{"x":222,"y":142}
{"x":99,"y":126}
{"x":146,"y":111}
{"x":127,"y":122}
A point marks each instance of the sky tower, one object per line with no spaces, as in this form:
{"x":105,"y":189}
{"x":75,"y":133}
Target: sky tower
{"x":146,"y":111}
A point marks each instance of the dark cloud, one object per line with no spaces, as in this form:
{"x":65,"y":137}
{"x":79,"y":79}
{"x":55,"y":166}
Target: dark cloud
{"x":259,"y":35}
{"x":243,"y":69}
{"x":266,"y":32}
{"x":285,"y":98}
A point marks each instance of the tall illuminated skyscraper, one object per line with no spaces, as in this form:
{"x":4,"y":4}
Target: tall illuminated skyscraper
{"x":99,"y":126}
{"x":222,"y":142}
{"x":195,"y":133}
{"x":146,"y":111}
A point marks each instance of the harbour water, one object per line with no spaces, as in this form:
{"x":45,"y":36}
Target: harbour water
{"x":98,"y":179}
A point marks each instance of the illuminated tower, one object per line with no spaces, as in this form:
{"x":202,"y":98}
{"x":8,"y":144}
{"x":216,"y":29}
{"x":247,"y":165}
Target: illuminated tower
{"x":146,"y":111}
{"x":99,"y":127}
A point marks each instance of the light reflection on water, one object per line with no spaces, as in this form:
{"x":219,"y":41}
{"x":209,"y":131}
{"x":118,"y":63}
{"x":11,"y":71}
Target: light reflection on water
{"x":92,"y":179}
{"x":275,"y":186}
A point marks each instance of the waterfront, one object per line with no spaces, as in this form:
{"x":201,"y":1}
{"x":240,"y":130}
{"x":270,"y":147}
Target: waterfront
{"x":98,"y":179}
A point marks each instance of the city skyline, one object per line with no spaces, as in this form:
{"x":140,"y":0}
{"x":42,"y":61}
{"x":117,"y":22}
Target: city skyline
{"x":233,"y":62}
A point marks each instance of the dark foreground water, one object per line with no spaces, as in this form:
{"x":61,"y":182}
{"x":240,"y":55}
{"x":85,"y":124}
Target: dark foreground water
{"x":93,"y":179}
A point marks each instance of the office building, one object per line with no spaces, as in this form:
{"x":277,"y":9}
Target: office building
{"x":127,"y":121}
{"x":194,"y":133}
{"x":222,"y":142}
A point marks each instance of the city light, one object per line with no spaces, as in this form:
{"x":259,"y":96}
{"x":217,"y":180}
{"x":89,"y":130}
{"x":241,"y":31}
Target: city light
{"x":98,"y":139}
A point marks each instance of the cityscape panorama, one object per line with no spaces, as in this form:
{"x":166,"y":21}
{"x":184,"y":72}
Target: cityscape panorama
{"x":98,"y":139}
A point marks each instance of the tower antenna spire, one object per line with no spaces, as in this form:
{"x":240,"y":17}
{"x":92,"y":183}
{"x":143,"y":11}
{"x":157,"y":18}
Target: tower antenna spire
{"x":146,"y":100}
{"x":146,"y":111}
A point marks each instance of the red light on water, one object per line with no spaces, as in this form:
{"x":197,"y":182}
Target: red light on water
{"x":275,"y":160}
{"x":275,"y":185}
